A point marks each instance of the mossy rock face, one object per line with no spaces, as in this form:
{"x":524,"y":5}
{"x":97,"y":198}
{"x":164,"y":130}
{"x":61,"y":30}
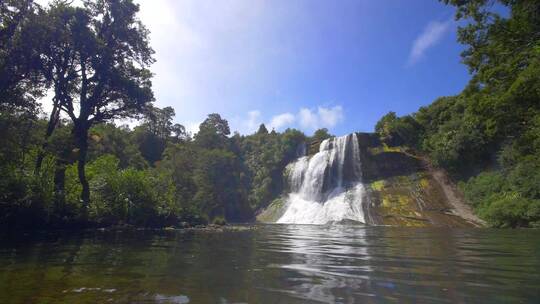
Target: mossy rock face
{"x":401,"y":189}
{"x":273,"y":212}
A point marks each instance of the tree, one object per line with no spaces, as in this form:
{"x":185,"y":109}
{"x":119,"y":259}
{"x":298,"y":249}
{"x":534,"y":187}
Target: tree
{"x":395,"y":130}
{"x":156,"y":131}
{"x":213,"y":132}
{"x":219,"y":192}
{"x":98,"y":58}
{"x":21,"y":80}
{"x":262,"y":129}
{"x":503,"y":55}
{"x":265,"y":157}
{"x":118,"y":141}
{"x":320,"y":135}
{"x":383,"y":126}
{"x":179,"y":133}
{"x":159,"y":121}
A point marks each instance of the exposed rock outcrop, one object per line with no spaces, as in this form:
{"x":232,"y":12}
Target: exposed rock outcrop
{"x":405,"y":190}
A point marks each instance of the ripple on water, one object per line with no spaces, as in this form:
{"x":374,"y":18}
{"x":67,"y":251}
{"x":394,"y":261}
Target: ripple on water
{"x":275,"y":264}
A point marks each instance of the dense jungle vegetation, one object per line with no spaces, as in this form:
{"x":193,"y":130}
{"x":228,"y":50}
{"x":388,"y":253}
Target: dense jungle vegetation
{"x":488,"y":136}
{"x":76,"y":167}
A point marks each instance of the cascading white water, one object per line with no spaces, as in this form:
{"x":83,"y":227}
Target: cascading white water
{"x":327,"y":186}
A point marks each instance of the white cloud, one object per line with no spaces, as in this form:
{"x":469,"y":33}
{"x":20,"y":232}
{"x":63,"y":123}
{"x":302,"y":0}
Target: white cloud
{"x":330,"y":117}
{"x":308,"y":119}
{"x":254,"y":119}
{"x":323,"y":118}
{"x":279,"y":121}
{"x":433,"y":32}
{"x":250,"y":123}
{"x":197,"y":53}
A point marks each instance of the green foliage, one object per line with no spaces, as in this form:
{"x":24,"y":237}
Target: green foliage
{"x":480,"y":188}
{"x":265,"y":155}
{"x":213,"y":133}
{"x":118,"y":141}
{"x":489,"y":135}
{"x":156,"y":131}
{"x":262,"y":129}
{"x":220,"y":221}
{"x":24,"y":199}
{"x":128,"y":195}
{"x":95,"y":58}
{"x":320,"y":135}
{"x":217,"y":183}
{"x":397,"y":131}
{"x":512,"y":211}
{"x":21,"y":41}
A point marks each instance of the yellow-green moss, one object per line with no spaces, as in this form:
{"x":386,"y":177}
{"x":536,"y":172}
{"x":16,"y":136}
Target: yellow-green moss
{"x":387,"y":148}
{"x":377,"y":185}
{"x":424,"y":183}
{"x":384,"y":148}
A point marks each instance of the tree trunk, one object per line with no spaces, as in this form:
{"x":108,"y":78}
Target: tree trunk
{"x":62,"y":160}
{"x":81,"y":134}
{"x":59,"y":186}
{"x":51,"y":125}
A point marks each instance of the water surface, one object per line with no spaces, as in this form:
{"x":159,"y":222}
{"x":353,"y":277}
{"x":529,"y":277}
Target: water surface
{"x":273,"y":264}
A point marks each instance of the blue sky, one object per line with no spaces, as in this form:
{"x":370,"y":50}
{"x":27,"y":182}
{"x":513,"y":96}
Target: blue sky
{"x":303,"y":64}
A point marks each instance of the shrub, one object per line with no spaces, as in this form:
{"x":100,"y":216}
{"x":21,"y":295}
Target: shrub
{"x":510,"y":210}
{"x":219,"y":221}
{"x":482,"y":186}
{"x":125,"y":196}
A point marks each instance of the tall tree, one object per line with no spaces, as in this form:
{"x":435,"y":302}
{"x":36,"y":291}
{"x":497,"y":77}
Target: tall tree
{"x":156,"y":131}
{"x":99,"y":62}
{"x":213,"y":132}
{"x":262,"y":129}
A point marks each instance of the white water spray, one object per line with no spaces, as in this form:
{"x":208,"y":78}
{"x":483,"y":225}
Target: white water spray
{"x":327,"y":186}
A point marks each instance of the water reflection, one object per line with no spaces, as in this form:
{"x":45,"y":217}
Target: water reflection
{"x":274,"y":264}
{"x":319,"y":267}
{"x":380,"y":264}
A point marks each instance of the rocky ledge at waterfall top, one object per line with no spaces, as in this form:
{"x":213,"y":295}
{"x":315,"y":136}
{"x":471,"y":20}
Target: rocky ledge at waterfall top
{"x":356,"y":178}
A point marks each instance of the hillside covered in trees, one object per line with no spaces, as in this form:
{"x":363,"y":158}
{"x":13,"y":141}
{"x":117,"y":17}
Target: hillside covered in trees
{"x":76,"y":167}
{"x":488,"y":136}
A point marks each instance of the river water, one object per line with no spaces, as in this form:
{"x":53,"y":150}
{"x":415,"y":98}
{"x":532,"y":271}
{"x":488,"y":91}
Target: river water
{"x":273,"y":264}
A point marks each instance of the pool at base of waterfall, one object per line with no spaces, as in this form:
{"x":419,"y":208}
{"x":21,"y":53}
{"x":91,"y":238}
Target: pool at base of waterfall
{"x":341,"y":205}
{"x":276,"y":263}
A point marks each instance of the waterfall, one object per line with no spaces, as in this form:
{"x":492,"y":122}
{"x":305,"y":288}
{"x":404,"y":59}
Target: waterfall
{"x":327,"y":186}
